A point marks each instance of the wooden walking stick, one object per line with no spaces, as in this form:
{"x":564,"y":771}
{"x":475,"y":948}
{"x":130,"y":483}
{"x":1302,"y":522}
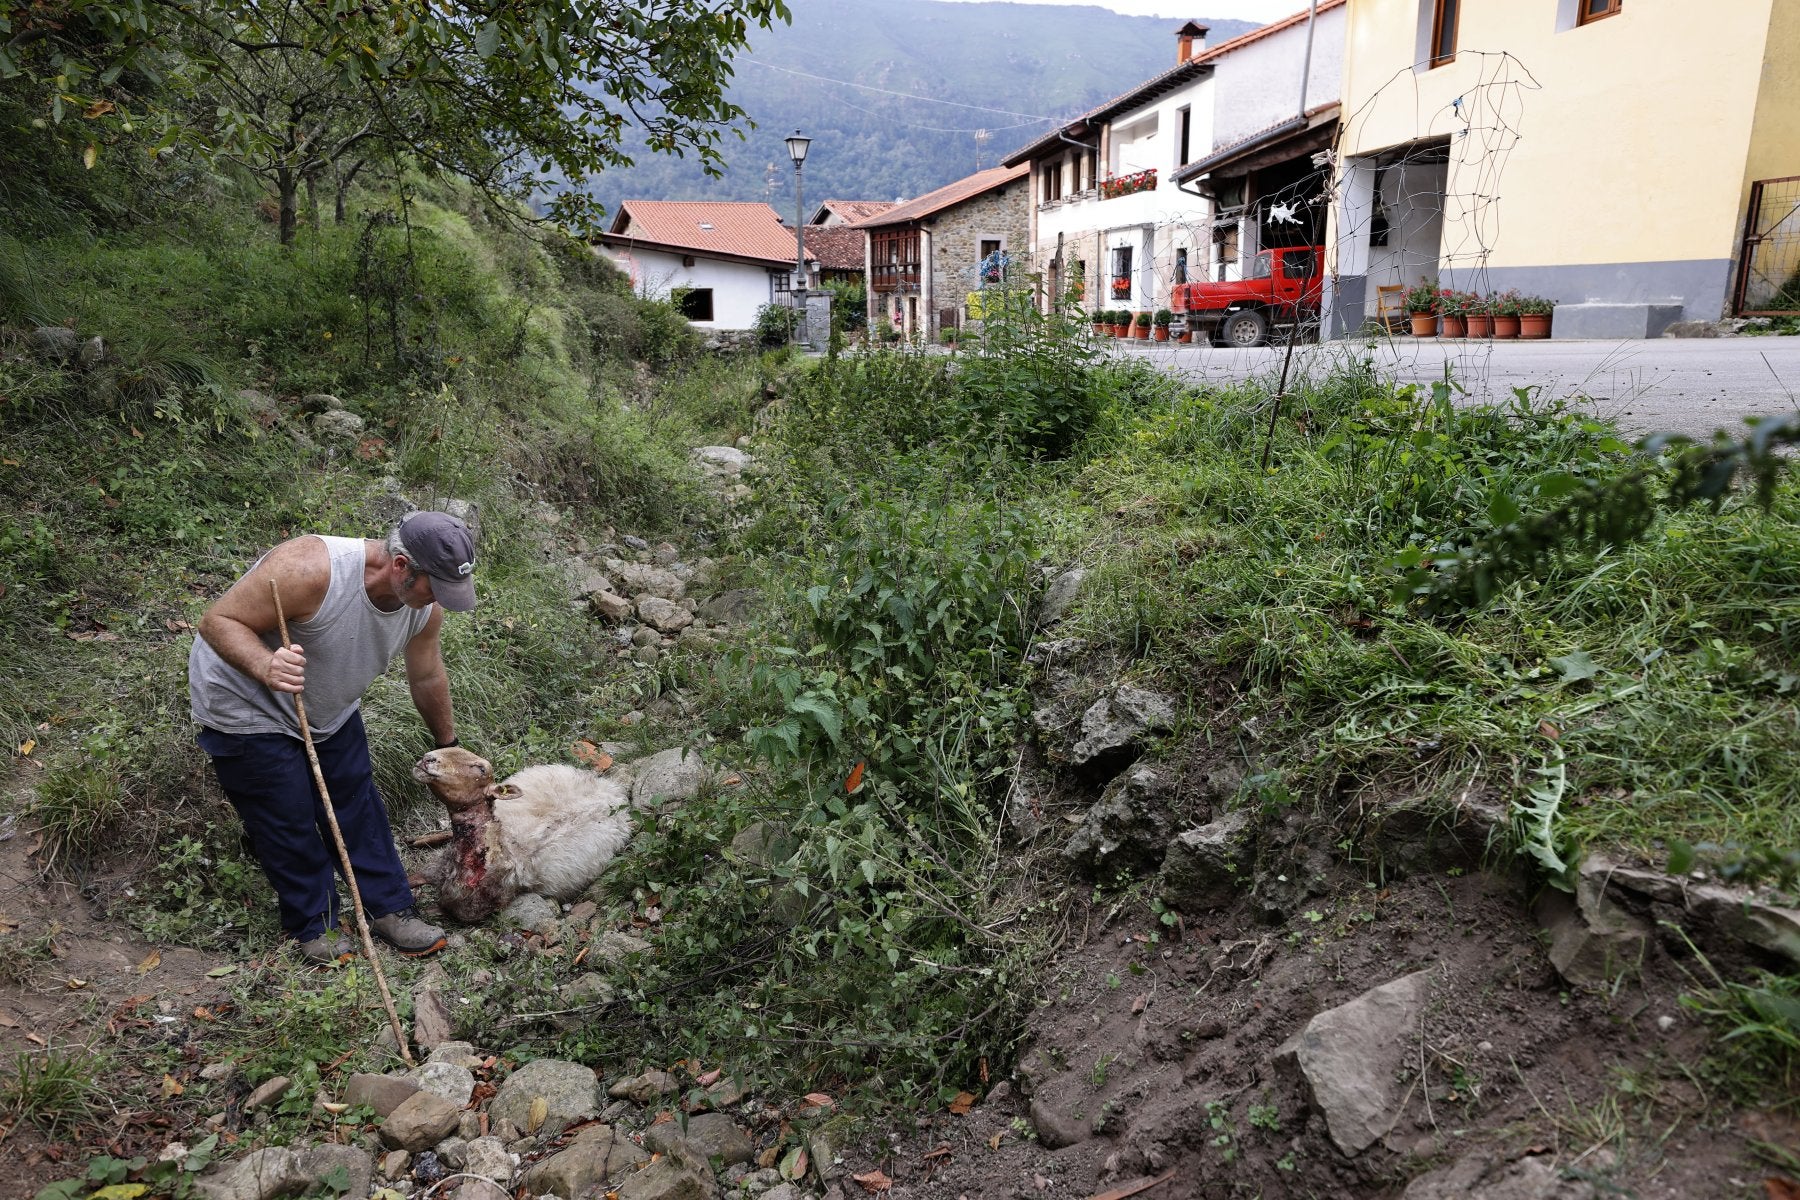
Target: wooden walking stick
{"x":337,"y":835}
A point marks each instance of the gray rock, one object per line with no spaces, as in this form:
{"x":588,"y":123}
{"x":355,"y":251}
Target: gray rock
{"x":1055,"y":1128}
{"x":668,"y":775}
{"x":1479,"y":1178}
{"x":1121,"y":721}
{"x":1592,"y":941}
{"x":266,"y":1093}
{"x":1766,"y":926}
{"x":633,"y":579}
{"x":383,"y":1093}
{"x":588,"y":988}
{"x":719,"y":1138}
{"x":646,"y":636}
{"x":55,"y":343}
{"x":731,"y":608}
{"x":696,"y":637}
{"x":570,"y":1090}
{"x":1207,"y":868}
{"x":1129,"y":828}
{"x":1348,"y":1058}
{"x":635,"y":542}
{"x":454,"y":1083}
{"x":597,"y":1155}
{"x":93,"y":353}
{"x":651,"y":1086}
{"x":679,"y":1175}
{"x":489,"y":1158}
{"x":647,"y":655}
{"x":609,"y":607}
{"x":612,"y":945}
{"x":534,"y":912}
{"x":825,"y":1147}
{"x":431,"y":1020}
{"x":468,"y":1126}
{"x":665,"y":554}
{"x":337,"y":425}
{"x":286,"y":1171}
{"x":784,"y":1191}
{"x":1061,"y":594}
{"x":663,"y":615}
{"x":219,"y":1072}
{"x":724,"y":462}
{"x":461,"y":1053}
{"x":585,"y":579}
{"x":420,"y":1122}
{"x":453,"y":1151}
{"x":395,"y":1162}
{"x":322,"y":400}
{"x":763,"y":844}
{"x":466,"y":511}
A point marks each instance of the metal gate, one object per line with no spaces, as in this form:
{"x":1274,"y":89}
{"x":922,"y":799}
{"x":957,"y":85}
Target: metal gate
{"x":1768,"y":282}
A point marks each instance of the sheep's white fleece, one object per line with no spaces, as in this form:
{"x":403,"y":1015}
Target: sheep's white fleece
{"x":560,"y":829}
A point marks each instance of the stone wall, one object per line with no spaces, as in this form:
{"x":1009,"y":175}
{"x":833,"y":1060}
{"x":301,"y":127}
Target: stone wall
{"x":956,"y":238}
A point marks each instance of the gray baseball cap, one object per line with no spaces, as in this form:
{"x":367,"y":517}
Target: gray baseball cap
{"x":442,"y":546}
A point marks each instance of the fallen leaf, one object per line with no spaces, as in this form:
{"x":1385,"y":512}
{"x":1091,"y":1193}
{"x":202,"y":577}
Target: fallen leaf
{"x":819,"y":1100}
{"x":590,"y":755}
{"x":1141,"y":1184}
{"x":1549,"y":730}
{"x":151,"y":961}
{"x":728,"y":781}
{"x":98,"y":108}
{"x":873,"y":1181}
{"x":793,"y":1165}
{"x":767,"y":1158}
{"x":1140,"y":1003}
{"x":994,"y":1142}
{"x":7,"y":924}
{"x":203,"y":1013}
{"x":942,"y":1151}
{"x":120,"y":1191}
{"x":710,"y":1078}
{"x":8,"y":1020}
{"x":221,"y":972}
{"x":984,"y":1071}
{"x":171,"y":1087}
{"x":89,"y":156}
{"x":75,"y":985}
{"x":1781,"y":1188}
{"x":540,"y":1109}
{"x":963,"y":1103}
{"x":856,"y":776}
{"x":32,"y":1037}
{"x":27,"y":746}
{"x":137,"y":433}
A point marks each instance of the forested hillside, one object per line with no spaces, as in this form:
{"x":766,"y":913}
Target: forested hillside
{"x":1002,"y":68}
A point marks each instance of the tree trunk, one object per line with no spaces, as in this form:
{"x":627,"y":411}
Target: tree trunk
{"x":287,"y":185}
{"x":344,"y":180}
{"x":312,"y":200}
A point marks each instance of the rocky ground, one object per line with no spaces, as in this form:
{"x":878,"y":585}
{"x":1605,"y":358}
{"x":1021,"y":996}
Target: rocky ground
{"x":1373,"y":1002}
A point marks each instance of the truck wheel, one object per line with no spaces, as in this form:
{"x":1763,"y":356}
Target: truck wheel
{"x":1244,"y":329}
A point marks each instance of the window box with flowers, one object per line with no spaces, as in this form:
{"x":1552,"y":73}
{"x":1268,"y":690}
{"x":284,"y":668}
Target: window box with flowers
{"x":1121,"y":288}
{"x":1125,"y":185}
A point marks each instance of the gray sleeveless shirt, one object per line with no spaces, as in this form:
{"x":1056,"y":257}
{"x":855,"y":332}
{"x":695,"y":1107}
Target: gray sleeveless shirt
{"x":348,"y":642}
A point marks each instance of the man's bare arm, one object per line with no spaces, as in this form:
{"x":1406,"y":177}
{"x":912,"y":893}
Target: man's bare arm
{"x":234,"y":624}
{"x":429,"y":681}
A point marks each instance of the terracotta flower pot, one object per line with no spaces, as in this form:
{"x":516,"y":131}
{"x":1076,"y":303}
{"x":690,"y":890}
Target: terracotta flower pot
{"x":1534,"y":325}
{"x":1185,"y":336}
{"x":1424,"y":324}
{"x":1101,"y":330}
{"x":1506,"y":326}
{"x":1481,"y":325}
{"x":1161,"y":333}
{"x":1141,"y":332}
{"x":1453,"y":327}
{"x":1122,"y":330}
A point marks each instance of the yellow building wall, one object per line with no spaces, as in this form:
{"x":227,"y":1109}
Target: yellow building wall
{"x":1622,"y":141}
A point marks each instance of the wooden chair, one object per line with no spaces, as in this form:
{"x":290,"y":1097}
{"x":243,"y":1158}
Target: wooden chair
{"x":1390,"y":307}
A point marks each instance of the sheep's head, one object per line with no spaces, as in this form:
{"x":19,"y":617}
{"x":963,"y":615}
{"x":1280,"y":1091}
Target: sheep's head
{"x":459,"y":778}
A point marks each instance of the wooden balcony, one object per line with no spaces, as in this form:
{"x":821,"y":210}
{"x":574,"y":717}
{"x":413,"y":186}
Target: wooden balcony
{"x":893,"y":277}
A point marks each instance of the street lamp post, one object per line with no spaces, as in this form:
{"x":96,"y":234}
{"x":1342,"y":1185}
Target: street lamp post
{"x":796,"y":147}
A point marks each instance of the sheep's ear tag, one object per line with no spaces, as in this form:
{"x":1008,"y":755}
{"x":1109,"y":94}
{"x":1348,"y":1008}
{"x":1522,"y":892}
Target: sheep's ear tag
{"x":502,"y":791}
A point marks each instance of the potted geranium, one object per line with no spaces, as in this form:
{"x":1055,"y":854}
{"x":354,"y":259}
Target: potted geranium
{"x":1481,"y":316}
{"x":1534,"y":316}
{"x":1142,"y":321}
{"x":1453,"y":308}
{"x":1121,"y":287}
{"x":1505,"y":308}
{"x":1422,"y":307}
{"x":1161,"y":326}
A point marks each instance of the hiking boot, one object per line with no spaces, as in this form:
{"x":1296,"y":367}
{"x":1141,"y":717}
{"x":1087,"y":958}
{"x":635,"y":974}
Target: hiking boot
{"x":405,"y":932}
{"x":326,"y":950}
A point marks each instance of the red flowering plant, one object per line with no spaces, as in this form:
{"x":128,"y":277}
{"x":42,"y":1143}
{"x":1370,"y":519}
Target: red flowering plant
{"x":1121,"y":288}
{"x":1125,"y":185}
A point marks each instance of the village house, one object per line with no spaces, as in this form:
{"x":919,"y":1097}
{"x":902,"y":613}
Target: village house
{"x":1632,"y":160}
{"x":926,"y":257}
{"x":720,"y":260}
{"x":1128,"y":200}
{"x":849,"y":212}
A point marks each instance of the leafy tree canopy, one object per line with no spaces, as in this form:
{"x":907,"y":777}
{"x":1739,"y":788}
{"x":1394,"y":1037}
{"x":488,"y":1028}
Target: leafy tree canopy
{"x":509,"y":93}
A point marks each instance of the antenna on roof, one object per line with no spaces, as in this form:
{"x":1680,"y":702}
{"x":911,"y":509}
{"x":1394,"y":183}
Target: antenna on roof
{"x":981,"y":137}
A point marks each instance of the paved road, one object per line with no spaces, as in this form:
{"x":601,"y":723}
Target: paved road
{"x":1673,"y":385}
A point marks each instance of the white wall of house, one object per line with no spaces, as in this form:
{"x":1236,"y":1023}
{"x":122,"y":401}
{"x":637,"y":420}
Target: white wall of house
{"x":739,"y":289}
{"x":1259,"y":85}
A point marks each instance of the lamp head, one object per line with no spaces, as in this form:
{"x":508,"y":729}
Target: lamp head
{"x":797,"y":146}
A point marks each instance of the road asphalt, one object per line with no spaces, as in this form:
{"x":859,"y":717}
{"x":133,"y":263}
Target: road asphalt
{"x":1690,"y":386}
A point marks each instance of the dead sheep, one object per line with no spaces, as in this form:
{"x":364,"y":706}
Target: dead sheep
{"x":548,"y":829}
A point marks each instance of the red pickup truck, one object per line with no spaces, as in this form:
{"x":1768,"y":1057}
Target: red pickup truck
{"x":1283,"y":284}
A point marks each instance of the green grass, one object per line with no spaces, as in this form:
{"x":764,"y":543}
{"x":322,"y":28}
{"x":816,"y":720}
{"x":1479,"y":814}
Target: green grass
{"x":55,"y":1090}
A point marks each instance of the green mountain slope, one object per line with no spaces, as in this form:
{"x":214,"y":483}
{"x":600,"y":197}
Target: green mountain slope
{"x":1007,"y":69}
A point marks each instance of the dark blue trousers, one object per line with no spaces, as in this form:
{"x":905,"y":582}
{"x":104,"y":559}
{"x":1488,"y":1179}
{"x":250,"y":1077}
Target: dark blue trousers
{"x":269,"y":782}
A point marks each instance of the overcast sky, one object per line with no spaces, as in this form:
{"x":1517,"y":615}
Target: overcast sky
{"x":1260,"y":11}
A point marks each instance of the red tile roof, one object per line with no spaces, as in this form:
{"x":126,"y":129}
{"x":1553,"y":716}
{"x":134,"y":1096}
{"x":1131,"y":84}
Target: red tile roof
{"x":836,"y":247}
{"x":1158,"y":84}
{"x":852,"y":211}
{"x":950,"y":194}
{"x":741,"y":229}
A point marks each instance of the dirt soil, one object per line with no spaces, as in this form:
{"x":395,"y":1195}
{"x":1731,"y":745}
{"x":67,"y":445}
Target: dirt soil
{"x":1151,"y":1056}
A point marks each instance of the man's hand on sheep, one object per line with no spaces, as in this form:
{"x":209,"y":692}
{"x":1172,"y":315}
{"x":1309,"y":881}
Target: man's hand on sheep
{"x":286,"y":671}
